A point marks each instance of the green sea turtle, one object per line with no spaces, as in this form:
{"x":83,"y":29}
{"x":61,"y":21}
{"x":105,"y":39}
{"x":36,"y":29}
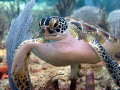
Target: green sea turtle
{"x":66,"y":41}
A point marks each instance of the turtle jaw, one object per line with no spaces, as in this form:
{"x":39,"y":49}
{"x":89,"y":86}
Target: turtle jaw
{"x":51,"y":34}
{"x":53,"y":37}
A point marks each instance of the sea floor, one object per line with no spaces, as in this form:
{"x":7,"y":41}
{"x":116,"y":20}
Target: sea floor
{"x":42,"y":72}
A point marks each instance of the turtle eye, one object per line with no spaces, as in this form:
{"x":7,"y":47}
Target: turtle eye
{"x":41,"y":22}
{"x":56,"y":24}
{"x":53,"y":24}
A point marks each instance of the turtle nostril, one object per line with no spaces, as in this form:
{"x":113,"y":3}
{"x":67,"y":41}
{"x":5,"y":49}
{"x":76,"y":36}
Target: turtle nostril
{"x":43,"y":30}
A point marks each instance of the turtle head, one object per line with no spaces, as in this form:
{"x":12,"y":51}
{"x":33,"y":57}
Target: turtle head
{"x":53,"y":27}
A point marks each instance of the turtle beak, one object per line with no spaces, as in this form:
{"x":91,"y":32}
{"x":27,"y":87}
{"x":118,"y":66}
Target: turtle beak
{"x":46,"y":31}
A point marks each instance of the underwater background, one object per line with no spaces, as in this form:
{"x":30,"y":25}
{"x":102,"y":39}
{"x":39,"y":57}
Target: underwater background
{"x":10,"y":9}
{"x":104,"y":13}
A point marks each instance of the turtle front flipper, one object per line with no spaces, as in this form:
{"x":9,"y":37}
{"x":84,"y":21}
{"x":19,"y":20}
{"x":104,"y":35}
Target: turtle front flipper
{"x":20,"y":74}
{"x":112,"y":66}
{"x":20,"y":70}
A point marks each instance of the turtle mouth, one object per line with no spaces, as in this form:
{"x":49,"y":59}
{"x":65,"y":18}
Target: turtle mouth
{"x":51,"y":37}
{"x":48,"y":36}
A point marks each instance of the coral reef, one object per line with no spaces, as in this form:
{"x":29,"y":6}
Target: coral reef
{"x":88,"y":13}
{"x":65,"y":7}
{"x":46,"y":73}
{"x":42,"y":72}
{"x":1,"y":59}
{"x":114,"y":23}
{"x":2,"y":46}
{"x":114,"y":26}
{"x":90,"y":85}
{"x":14,"y":9}
{"x":93,"y":15}
{"x":3,"y":27}
{"x":18,"y":32}
{"x":3,"y":72}
{"x":103,"y":23}
{"x":110,"y":5}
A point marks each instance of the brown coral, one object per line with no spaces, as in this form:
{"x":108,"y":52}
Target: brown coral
{"x":65,"y":7}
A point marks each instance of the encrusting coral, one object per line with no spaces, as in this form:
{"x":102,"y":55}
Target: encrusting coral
{"x":3,"y":72}
{"x":90,"y":85}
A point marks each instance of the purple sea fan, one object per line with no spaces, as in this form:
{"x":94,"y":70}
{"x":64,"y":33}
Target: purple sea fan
{"x":18,"y":32}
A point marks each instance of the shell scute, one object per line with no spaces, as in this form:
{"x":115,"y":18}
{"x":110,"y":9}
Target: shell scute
{"x":83,"y":27}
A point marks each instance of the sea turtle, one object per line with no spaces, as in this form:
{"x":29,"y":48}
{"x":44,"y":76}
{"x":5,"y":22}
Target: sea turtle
{"x":66,"y":41}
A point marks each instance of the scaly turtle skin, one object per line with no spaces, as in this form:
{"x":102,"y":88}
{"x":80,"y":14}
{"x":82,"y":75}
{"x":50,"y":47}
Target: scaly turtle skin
{"x":66,"y":41}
